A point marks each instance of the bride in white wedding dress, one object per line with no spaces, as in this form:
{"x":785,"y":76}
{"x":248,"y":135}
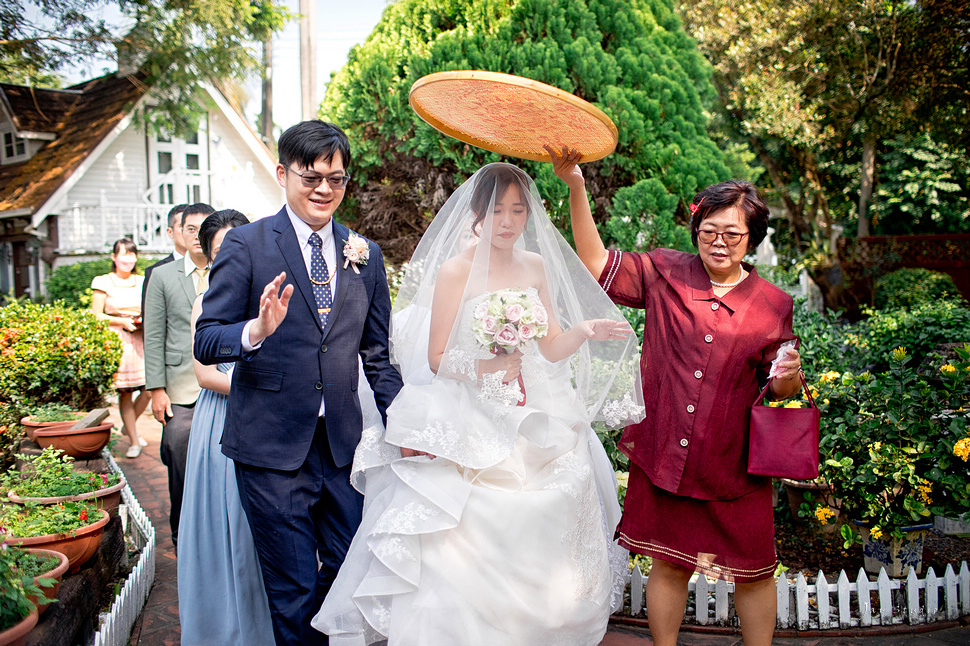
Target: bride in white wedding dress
{"x":490,"y":504}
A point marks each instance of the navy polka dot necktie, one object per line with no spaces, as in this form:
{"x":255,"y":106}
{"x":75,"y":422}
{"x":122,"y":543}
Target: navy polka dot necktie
{"x":320,"y":277}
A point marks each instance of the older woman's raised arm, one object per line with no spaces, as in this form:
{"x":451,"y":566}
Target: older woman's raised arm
{"x":589,"y":245}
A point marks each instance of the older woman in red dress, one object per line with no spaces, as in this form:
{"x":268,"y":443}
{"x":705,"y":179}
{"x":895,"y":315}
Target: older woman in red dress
{"x":713,"y":328}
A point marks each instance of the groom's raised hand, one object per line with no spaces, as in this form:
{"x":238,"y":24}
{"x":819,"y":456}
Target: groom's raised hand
{"x":272,"y":309}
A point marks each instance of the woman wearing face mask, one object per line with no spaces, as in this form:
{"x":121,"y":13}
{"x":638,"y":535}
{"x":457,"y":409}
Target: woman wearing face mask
{"x":117,"y":300}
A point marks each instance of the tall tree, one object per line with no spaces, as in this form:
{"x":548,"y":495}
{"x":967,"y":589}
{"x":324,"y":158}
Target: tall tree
{"x":817,"y":83}
{"x":631,"y":58}
{"x":178,"y":44}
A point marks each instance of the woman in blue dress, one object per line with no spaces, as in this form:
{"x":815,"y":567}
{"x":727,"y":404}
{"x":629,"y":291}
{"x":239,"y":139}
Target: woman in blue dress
{"x":221,"y":595}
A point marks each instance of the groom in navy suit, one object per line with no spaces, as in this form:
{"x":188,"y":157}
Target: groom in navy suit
{"x":294,"y":310}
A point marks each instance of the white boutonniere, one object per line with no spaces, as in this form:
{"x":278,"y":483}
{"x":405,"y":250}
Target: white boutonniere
{"x":356,"y":251}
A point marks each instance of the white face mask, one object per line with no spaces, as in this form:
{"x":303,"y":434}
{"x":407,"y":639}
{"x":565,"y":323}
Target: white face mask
{"x":125,"y":263}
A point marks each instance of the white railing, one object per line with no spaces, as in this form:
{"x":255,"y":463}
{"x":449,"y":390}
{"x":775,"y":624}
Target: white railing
{"x":95,"y":227}
{"x":117,"y":622}
{"x":842,"y":604}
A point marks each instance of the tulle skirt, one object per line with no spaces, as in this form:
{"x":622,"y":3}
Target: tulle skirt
{"x":513,"y":551}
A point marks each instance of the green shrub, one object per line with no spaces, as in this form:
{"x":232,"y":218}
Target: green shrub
{"x":893,"y":444}
{"x":919,"y":329}
{"x":72,"y":283}
{"x":11,"y":432}
{"x":827,"y":342}
{"x":830,"y":344}
{"x":52,"y":353}
{"x":907,"y":288}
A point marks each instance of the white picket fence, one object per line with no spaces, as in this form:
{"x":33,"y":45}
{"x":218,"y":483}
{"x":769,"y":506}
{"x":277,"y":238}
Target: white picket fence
{"x":841,"y":604}
{"x":117,"y":622}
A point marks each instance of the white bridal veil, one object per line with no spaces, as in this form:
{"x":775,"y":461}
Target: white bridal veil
{"x":605,"y":373}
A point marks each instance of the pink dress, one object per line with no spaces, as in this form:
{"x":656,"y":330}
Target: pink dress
{"x":123,"y":298}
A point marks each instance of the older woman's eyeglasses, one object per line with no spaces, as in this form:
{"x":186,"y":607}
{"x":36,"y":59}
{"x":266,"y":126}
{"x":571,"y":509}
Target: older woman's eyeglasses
{"x":730,"y":238}
{"x":313,"y":180}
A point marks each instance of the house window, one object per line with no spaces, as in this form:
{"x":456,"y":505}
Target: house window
{"x":179,"y":168}
{"x":13,"y":146}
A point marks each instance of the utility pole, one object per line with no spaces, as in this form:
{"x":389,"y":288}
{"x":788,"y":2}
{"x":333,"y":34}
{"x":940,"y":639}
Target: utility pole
{"x":266,"y":115}
{"x":308,"y":57}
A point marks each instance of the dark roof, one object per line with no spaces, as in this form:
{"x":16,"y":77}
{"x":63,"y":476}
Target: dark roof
{"x":37,"y":109}
{"x":80,"y":117}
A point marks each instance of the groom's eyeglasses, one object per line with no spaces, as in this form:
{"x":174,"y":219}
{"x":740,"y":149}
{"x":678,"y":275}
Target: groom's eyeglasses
{"x":313,"y":180}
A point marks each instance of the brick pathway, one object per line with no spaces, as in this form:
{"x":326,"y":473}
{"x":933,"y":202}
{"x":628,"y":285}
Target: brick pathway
{"x":159,"y":623}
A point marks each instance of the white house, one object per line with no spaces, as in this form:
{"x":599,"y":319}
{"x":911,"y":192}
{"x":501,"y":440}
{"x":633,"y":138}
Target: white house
{"x":76,"y":174}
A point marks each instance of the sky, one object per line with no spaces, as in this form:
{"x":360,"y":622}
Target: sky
{"x":339,"y":26}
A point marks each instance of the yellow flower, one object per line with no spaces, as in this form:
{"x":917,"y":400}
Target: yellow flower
{"x":875,"y":533}
{"x":831,"y":375}
{"x":824,"y":514}
{"x":794,"y":404}
{"x":898,"y":354}
{"x":947,"y":368}
{"x":925,"y":488}
{"x":875,"y":446}
{"x":962,"y":449}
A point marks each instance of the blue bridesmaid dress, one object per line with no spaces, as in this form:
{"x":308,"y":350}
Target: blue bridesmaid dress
{"x":221,"y":594}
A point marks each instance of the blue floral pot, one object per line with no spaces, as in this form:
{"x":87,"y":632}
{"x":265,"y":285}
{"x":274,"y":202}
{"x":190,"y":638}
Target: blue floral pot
{"x":895,"y":555}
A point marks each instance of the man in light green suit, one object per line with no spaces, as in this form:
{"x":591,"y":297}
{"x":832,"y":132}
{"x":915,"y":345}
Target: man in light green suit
{"x":169,"y":370}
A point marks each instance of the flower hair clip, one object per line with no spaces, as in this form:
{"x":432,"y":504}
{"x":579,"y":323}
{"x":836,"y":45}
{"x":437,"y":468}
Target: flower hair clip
{"x":355,"y":251}
{"x":693,"y":207}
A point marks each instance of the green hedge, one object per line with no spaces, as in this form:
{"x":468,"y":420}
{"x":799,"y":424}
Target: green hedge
{"x":831,"y":344}
{"x":909,"y":288}
{"x":53,"y":353}
{"x":72,"y":283}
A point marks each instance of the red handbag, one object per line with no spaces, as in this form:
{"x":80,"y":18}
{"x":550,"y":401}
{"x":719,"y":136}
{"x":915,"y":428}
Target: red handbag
{"x":783,"y":442}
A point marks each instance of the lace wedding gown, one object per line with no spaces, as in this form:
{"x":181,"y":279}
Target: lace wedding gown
{"x":505,"y":538}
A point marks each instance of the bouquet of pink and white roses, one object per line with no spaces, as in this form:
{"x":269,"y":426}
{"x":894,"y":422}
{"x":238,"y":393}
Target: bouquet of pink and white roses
{"x":509,"y":318}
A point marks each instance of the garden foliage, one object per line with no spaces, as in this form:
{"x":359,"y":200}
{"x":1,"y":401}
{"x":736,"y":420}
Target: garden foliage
{"x":894,"y":444}
{"x":631,"y":58}
{"x":14,"y":587}
{"x":52,"y":353}
{"x":831,"y":344}
{"x":910,"y":287}
{"x":72,"y":283}
{"x":51,"y":474}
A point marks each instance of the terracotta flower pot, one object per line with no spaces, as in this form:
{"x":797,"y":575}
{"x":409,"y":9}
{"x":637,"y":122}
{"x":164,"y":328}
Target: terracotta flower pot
{"x":79,"y":443}
{"x":30,"y":426}
{"x":56,"y":573}
{"x":16,"y":635}
{"x":107,"y":498}
{"x":79,"y":546}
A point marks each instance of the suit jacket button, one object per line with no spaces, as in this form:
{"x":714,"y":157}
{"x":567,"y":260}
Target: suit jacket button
{"x":323,"y":347}
{"x":319,"y":385}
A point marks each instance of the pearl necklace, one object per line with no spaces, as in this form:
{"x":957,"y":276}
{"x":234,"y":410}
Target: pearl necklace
{"x":734,"y":284}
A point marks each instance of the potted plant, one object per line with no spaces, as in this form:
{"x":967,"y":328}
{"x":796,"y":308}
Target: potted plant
{"x":50,"y":478}
{"x":18,"y":615}
{"x":72,"y":528}
{"x":47,"y":568}
{"x":891,"y":451}
{"x":50,"y":416}
{"x":80,"y":443}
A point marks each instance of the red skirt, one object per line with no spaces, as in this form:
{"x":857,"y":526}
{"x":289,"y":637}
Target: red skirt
{"x":725,"y":539}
